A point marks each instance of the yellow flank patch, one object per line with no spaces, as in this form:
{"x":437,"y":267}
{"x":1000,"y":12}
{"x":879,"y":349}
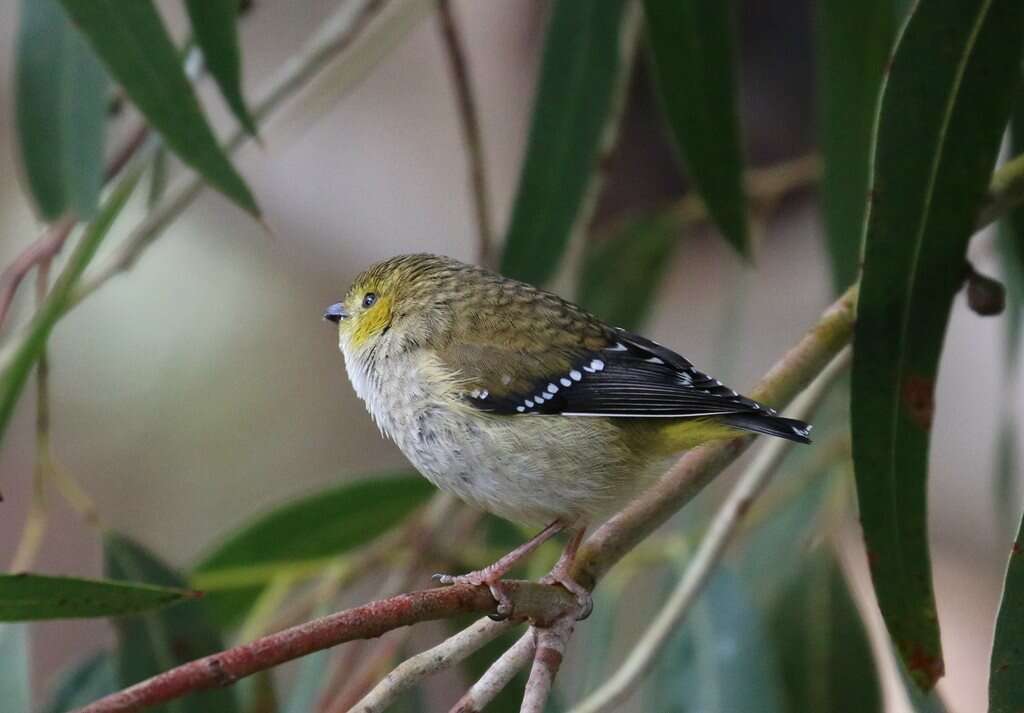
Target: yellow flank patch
{"x":370,"y":323}
{"x":681,"y":435}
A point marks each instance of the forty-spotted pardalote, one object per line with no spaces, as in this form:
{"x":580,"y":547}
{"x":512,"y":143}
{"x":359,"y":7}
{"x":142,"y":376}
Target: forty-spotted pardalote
{"x":522,"y":403}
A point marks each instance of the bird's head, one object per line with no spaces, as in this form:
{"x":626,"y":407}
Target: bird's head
{"x":405,"y":300}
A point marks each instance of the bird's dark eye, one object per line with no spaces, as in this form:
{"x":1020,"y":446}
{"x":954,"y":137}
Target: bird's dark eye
{"x":369,"y":298}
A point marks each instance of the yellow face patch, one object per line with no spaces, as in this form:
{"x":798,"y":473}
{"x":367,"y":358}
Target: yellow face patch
{"x":368,"y":323}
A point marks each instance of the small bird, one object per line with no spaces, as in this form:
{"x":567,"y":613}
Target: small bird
{"x":523,"y":404}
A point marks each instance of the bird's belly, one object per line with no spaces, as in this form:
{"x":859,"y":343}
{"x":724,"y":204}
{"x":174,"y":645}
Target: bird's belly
{"x":532,"y":469}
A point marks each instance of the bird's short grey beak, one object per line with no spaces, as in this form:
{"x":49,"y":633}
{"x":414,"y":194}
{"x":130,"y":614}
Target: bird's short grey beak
{"x":335,"y":313}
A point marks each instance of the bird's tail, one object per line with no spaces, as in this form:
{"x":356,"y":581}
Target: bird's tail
{"x":788,"y":428}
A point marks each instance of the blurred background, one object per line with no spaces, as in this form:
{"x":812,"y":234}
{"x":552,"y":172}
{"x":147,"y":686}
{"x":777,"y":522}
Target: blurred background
{"x":202,"y":386}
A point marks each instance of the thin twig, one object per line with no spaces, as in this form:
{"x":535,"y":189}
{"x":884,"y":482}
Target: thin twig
{"x":36,"y":520}
{"x":448,"y":653}
{"x":499,"y":675}
{"x":551,"y":643}
{"x":539,"y":602}
{"x":471,"y":135}
{"x":700,"y":567}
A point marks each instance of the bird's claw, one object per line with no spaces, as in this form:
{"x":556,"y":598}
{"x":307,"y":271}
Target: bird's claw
{"x":475,"y":579}
{"x":584,"y":600}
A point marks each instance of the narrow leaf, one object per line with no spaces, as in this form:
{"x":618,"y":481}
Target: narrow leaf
{"x":60,"y":109}
{"x":944,"y":106}
{"x":131,"y":39}
{"x":18,"y":365}
{"x":581,"y":66}
{"x":826,"y":659}
{"x":149,"y":644}
{"x":15,"y":686}
{"x":854,"y":42}
{"x":621,"y":274}
{"x":25,"y":597}
{"x":1006,"y":673}
{"x":694,"y":51}
{"x":1010,"y":244}
{"x":302,"y":535}
{"x":215,"y":25}
{"x":84,"y":683}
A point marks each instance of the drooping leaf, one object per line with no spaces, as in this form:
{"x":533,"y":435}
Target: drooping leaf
{"x":826,"y":659}
{"x":621,"y":274}
{"x":149,"y":644}
{"x":1006,"y":668}
{"x":28,"y":597}
{"x":1010,"y":244}
{"x":215,"y":24}
{"x":854,"y":43}
{"x":580,"y":69}
{"x":84,"y":683}
{"x":944,"y":106}
{"x":694,"y":57}
{"x":721,"y":660}
{"x":130,"y":38}
{"x":301,"y":536}
{"x":60,"y":109}
{"x":15,"y":685}
{"x":18,"y":365}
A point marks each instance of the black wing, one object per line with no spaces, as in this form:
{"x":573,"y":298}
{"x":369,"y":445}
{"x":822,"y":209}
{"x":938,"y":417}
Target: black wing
{"x":637,"y":378}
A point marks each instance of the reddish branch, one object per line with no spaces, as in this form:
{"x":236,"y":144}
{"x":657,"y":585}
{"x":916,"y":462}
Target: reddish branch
{"x":539,"y":602}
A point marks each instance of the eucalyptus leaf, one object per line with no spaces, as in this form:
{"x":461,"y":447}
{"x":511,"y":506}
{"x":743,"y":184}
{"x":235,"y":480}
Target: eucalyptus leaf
{"x":940,"y":122}
{"x":854,"y":42}
{"x":130,"y":38}
{"x":693,"y":48}
{"x":26,"y":597}
{"x":215,"y":24}
{"x":61,"y":93}
{"x":579,"y":74}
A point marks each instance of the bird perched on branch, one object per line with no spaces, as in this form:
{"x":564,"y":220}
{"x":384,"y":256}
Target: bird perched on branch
{"x":523,"y":404}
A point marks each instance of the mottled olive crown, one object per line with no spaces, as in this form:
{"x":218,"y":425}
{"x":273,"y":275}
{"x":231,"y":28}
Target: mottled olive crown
{"x":432,"y":300}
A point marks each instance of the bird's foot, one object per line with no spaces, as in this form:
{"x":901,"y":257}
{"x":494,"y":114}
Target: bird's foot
{"x":492,"y":580}
{"x":584,"y":600}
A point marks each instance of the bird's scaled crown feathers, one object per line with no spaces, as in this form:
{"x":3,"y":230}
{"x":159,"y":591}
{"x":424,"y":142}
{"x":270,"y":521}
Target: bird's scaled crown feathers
{"x":431,"y":300}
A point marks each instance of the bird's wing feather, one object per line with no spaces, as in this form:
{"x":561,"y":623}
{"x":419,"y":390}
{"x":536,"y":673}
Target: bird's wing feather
{"x":614,"y":373}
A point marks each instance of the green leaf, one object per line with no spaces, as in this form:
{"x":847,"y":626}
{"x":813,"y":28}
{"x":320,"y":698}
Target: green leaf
{"x":1010,"y":244}
{"x":84,"y":683}
{"x":854,"y":42}
{"x":60,"y":110}
{"x":621,"y":274}
{"x":580,"y":71}
{"x":302,"y":536}
{"x":721,"y":660}
{"x":1006,"y":673}
{"x":149,"y":644}
{"x":15,"y":685}
{"x":826,"y":659}
{"x":19,"y":362}
{"x":693,"y":50}
{"x":943,"y":110}
{"x":130,"y":38}
{"x":214,"y":23}
{"x":27,"y":597}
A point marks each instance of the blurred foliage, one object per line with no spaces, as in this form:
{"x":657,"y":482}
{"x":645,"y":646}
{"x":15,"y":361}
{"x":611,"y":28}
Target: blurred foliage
{"x":908,"y":143}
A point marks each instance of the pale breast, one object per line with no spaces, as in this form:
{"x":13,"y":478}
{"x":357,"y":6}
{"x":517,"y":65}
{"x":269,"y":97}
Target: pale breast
{"x":531,"y":469}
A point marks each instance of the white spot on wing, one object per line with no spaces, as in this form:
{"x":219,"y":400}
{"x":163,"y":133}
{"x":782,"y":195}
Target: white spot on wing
{"x":575,"y":375}
{"x":529,"y":404}
{"x":617,"y":347}
{"x":654,"y":360}
{"x":597,"y":365}
{"x":565,"y":382}
{"x":552,"y":389}
{"x":520,"y":409}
